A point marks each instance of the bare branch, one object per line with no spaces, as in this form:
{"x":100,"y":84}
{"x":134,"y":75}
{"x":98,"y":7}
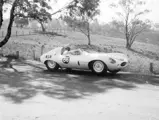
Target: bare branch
{"x":84,"y":32}
{"x":132,"y":24}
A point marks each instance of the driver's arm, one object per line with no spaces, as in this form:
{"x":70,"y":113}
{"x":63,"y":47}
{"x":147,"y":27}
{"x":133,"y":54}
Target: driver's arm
{"x":65,"y":52}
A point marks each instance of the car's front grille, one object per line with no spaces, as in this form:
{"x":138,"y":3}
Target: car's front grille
{"x":123,"y":63}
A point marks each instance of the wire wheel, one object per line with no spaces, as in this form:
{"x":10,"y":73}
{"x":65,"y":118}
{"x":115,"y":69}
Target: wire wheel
{"x":51,"y":65}
{"x":99,"y":67}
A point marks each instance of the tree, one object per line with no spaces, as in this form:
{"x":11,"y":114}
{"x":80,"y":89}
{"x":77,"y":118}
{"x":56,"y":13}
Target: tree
{"x":80,"y":14}
{"x":23,"y":9}
{"x":40,"y":14}
{"x":130,"y":19}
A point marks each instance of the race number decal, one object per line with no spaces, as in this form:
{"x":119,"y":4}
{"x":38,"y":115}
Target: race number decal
{"x":66,"y":60}
{"x":48,"y":56}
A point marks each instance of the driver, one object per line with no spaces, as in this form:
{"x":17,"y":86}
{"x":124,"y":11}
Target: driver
{"x":66,"y":50}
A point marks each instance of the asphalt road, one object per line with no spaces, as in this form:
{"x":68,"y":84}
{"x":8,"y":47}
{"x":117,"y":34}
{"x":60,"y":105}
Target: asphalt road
{"x":29,"y":92}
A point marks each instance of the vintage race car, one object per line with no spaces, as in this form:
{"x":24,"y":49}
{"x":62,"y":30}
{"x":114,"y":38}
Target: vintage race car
{"x":80,"y":59}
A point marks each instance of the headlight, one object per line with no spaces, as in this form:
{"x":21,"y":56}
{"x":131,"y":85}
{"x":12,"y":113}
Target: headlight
{"x":112,"y":60}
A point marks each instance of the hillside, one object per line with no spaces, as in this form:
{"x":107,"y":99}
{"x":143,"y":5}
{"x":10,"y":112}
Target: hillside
{"x":140,"y":58}
{"x":151,"y":37}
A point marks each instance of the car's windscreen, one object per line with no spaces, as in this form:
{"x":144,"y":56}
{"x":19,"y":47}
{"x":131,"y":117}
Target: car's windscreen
{"x":75,"y":52}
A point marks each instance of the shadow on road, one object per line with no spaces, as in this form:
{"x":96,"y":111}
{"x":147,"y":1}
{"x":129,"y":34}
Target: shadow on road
{"x":20,"y":86}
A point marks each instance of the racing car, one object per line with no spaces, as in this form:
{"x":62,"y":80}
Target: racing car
{"x":99,"y":63}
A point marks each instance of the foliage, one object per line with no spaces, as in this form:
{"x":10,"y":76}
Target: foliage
{"x":21,"y":22}
{"x":41,"y":15}
{"x":34,"y":9}
{"x":130,"y":19}
{"x":80,"y":13}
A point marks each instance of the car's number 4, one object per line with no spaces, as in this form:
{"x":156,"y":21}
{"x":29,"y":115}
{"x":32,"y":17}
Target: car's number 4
{"x":48,"y":56}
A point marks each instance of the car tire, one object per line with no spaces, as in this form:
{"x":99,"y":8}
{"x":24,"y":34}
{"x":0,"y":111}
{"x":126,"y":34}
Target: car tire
{"x":51,"y":65}
{"x":99,"y":67}
{"x":114,"y":72}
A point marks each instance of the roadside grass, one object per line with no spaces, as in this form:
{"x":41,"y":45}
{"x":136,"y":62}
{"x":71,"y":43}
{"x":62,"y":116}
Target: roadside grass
{"x":140,"y":57}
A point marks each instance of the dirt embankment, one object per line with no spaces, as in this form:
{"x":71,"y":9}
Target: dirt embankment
{"x":140,"y":57}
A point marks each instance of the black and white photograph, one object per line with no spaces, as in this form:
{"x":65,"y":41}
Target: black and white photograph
{"x":79,"y":60}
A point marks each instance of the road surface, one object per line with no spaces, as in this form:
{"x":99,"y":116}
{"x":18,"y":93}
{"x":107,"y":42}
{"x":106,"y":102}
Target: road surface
{"x":29,"y":92}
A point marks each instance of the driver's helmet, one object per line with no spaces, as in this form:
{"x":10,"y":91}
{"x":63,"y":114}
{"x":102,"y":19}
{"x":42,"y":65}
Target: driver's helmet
{"x":68,"y":48}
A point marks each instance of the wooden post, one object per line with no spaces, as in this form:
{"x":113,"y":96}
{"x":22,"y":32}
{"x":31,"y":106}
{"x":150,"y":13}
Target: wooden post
{"x":16,"y":33}
{"x":151,"y":68}
{"x":17,"y":54}
{"x":1,"y":51}
{"x":34,"y":56}
{"x":42,"y":49}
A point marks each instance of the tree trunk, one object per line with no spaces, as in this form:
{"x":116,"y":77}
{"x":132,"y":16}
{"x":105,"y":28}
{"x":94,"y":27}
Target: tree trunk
{"x":128,"y":38}
{"x":9,"y":29}
{"x":42,"y":26}
{"x":1,"y":13}
{"x":128,"y":44}
{"x":127,"y":35}
{"x":88,"y":36}
{"x":89,"y":39}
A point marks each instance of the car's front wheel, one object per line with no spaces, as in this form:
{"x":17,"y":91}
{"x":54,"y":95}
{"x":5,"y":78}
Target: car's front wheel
{"x":51,"y":65}
{"x":99,"y":67}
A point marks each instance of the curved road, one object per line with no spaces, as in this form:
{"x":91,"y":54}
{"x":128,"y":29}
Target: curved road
{"x":29,"y":92}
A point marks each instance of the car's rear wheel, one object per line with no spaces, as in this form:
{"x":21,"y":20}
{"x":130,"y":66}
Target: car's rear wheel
{"x":51,"y":65}
{"x":99,"y":67}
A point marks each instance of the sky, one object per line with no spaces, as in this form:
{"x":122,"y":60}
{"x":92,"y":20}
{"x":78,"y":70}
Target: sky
{"x":106,"y":13}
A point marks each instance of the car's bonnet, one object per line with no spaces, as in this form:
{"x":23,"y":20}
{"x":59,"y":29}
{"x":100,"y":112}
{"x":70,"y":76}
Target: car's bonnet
{"x":111,"y":55}
{"x":118,"y":56}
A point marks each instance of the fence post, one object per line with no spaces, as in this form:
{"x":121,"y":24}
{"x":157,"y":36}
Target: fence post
{"x":17,"y":54}
{"x":151,"y":68}
{"x":16,"y":33}
{"x":34,"y":56}
{"x":1,"y":51}
{"x":42,"y":49}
